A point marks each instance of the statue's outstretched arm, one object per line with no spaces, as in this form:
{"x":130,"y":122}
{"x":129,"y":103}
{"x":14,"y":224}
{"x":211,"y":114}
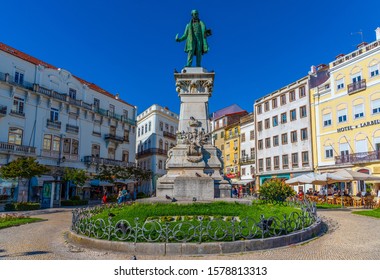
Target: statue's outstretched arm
{"x":184,"y":36}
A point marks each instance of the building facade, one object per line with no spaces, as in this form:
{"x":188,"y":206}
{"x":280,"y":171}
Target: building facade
{"x":247,"y":151}
{"x":283,"y":134}
{"x":156,"y":134}
{"x":347,"y":114}
{"x":60,"y":119}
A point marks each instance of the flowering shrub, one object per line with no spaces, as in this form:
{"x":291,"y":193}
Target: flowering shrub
{"x":276,"y":190}
{"x":22,"y":206}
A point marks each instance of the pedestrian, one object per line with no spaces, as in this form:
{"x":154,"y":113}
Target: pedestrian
{"x":104,"y":198}
{"x":120,"y":197}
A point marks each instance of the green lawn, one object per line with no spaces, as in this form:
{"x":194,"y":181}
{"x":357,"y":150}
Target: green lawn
{"x":370,"y":213}
{"x":16,"y":221}
{"x":328,"y":206}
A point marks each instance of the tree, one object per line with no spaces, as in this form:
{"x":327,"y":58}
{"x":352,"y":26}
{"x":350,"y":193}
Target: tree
{"x":77,"y":176}
{"x":23,"y":168}
{"x":276,"y":190}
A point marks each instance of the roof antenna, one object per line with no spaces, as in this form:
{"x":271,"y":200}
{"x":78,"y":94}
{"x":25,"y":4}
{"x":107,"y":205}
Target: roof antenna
{"x":359,"y":32}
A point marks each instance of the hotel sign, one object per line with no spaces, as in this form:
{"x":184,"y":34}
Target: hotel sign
{"x":352,"y":127}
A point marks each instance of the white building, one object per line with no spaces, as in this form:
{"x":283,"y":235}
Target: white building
{"x":62,"y":120}
{"x":247,"y":149}
{"x":156,"y":134}
{"x":283,"y":132}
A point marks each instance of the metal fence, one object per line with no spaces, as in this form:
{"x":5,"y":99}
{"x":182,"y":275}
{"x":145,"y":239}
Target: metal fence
{"x":201,"y":229}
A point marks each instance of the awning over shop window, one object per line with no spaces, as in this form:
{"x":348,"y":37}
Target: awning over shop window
{"x":39,"y":181}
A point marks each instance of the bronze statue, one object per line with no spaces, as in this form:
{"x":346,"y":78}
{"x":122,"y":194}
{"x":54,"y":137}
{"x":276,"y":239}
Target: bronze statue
{"x":195,"y":35}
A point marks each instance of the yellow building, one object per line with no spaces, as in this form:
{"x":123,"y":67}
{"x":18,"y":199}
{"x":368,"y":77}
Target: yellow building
{"x":231,"y":152}
{"x":346,"y":115}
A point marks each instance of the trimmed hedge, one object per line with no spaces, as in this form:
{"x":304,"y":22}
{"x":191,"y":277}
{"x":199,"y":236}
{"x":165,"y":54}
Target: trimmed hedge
{"x":74,"y":202}
{"x":22,"y":206}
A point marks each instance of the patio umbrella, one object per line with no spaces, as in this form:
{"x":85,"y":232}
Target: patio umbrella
{"x":302,"y":179}
{"x":356,"y":176}
{"x":328,"y":178}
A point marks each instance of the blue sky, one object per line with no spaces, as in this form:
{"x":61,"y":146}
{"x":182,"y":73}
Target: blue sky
{"x":128,"y":47}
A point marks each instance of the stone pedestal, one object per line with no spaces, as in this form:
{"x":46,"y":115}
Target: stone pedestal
{"x":194,"y":165}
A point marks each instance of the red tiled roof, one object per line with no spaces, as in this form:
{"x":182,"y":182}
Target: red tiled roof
{"x":37,"y":61}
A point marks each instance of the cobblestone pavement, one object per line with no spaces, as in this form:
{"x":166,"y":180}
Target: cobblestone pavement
{"x":349,"y":236}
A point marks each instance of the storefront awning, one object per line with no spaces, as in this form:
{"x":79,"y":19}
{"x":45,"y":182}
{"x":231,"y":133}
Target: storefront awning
{"x":39,"y":181}
{"x":243,"y":182}
{"x":126,"y":182}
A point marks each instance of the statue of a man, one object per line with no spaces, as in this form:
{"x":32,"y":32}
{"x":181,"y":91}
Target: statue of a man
{"x":196,"y":43}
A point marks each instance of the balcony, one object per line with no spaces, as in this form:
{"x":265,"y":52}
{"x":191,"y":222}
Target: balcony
{"x":3,"y":111}
{"x":75,"y":102}
{"x":17,"y":113}
{"x":114,"y":138}
{"x":231,"y":136}
{"x":91,"y":160}
{"x":170,"y":135}
{"x":358,"y":158}
{"x":49,"y":92}
{"x":87,"y":106}
{"x":72,"y":128}
{"x":53,"y":124}
{"x":356,"y":87}
{"x":17,"y":149}
{"x":150,"y":152}
{"x":247,"y":160}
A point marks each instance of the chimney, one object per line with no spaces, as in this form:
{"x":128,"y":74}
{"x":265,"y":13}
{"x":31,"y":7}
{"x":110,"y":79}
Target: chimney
{"x":377,"y":33}
{"x":313,"y":70}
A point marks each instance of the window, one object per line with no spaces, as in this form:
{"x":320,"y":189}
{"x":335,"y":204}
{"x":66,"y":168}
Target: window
{"x":228,"y":157}
{"x":72,"y":93}
{"x":54,"y":115}
{"x":276,"y":162}
{"x":374,"y":70}
{"x":15,"y":135}
{"x":285,"y":161}
{"x":293,"y":115}
{"x":268,"y":164}
{"x":252,"y":135}
{"x":358,"y":111}
{"x":260,"y":144}
{"x":275,"y":121}
{"x":111,"y":153}
{"x":160,"y":144}
{"x":275,"y":141}
{"x":56,"y":143}
{"x":295,"y":160}
{"x":261,"y":164}
{"x":252,"y":153}
{"x":283,"y":99}
{"x":344,"y":151}
{"x":274,"y":103}
{"x":126,"y":136}
{"x":260,"y":126}
{"x":47,"y":142}
{"x":266,"y":106}
{"x":166,"y":127}
{"x":340,"y":84}
{"x":342,"y":115}
{"x":222,"y":134}
{"x":227,"y":145}
{"x":283,"y":118}
{"x":302,"y":91}
{"x":328,"y":152}
{"x":375,"y":106}
{"x":222,"y":147}
{"x":235,"y":144}
{"x":305,"y":158}
{"x":267,"y":142}
{"x":236,"y":131}
{"x":96,"y":103}
{"x":95,"y":150}
{"x":18,"y":105}
{"x":166,"y":146}
{"x":171,"y":129}
{"x":243,"y":137}
{"x":138,"y":132}
{"x":292,"y":96}
{"x":74,"y":147}
{"x":356,"y":78}
{"x":304,"y":135}
{"x":243,"y":171}
{"x":284,"y":138}
{"x":327,"y":119}
{"x":113,"y":130}
{"x":303,"y":112}
{"x":215,"y":136}
{"x":125,"y":157}
{"x":259,"y":109}
{"x":66,"y":145}
{"x":267,"y":123}
{"x":19,"y":77}
{"x":125,"y":114}
{"x":243,"y":154}
{"x":161,"y":126}
{"x":150,"y":126}
{"x":293,"y":136}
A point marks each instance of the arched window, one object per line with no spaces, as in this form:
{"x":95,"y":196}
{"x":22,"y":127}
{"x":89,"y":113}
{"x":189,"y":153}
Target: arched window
{"x":160,"y":144}
{"x":166,"y":145}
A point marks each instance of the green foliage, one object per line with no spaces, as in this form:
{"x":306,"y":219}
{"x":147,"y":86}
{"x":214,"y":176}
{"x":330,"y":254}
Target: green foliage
{"x":141,"y":195}
{"x":23,"y":167}
{"x":11,"y":220}
{"x":369,"y":213}
{"x":75,"y":197}
{"x":22,"y":206}
{"x":77,"y":176}
{"x":276,"y":190}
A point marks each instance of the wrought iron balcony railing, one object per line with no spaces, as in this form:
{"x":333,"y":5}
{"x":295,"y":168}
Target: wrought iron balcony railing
{"x":151,"y":151}
{"x":170,"y":135}
{"x":72,"y":128}
{"x":91,"y":160}
{"x":114,"y":138}
{"x":357,"y":86}
{"x":53,"y":124}
{"x":247,"y":160}
{"x":358,"y":157}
